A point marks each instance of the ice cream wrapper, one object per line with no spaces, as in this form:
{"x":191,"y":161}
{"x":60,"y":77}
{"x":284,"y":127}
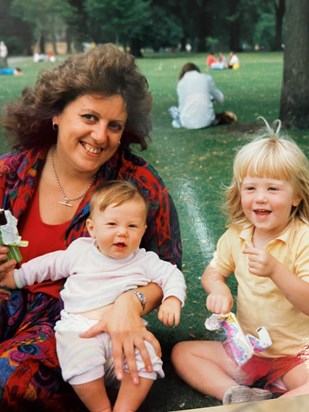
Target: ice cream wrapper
{"x":240,"y":346}
{"x":9,"y":236}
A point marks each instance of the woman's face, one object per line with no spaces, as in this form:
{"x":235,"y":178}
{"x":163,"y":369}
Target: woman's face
{"x":89,"y":131}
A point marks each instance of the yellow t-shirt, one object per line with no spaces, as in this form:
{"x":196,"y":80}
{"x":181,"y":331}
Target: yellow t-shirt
{"x":259,"y":301}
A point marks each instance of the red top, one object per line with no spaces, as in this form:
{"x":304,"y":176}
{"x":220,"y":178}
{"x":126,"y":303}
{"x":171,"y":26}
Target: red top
{"x":211,"y":59}
{"x":43,"y":238}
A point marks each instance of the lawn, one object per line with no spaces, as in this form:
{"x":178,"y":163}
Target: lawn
{"x":195,"y":165}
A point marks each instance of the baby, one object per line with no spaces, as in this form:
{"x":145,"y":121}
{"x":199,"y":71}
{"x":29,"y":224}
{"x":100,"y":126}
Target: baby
{"x":99,"y":269}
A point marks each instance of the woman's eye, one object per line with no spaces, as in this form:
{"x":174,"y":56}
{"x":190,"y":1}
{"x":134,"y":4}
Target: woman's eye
{"x":88,"y":116}
{"x":115,"y":126}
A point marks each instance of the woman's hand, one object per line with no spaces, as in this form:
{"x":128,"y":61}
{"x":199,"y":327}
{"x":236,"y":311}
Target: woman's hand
{"x":3,"y":253}
{"x":124,"y":324}
{"x":6,"y":269}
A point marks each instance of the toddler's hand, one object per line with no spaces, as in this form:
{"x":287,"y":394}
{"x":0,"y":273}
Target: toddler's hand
{"x":260,"y":262}
{"x":220,"y":300}
{"x":169,"y":311}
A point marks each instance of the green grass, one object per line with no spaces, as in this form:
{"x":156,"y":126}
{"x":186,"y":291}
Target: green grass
{"x":194,"y":165}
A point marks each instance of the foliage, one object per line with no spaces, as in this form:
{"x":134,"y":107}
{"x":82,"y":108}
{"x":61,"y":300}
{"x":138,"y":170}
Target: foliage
{"x":233,"y":24}
{"x":163,"y":30}
{"x":46,"y":17}
{"x":265,"y":28}
{"x":13,"y":31}
{"x":118,"y":21}
{"x":76,"y":30}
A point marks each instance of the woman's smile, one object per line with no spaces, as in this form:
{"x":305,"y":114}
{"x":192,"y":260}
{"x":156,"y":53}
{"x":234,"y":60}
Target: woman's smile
{"x":93,"y":123}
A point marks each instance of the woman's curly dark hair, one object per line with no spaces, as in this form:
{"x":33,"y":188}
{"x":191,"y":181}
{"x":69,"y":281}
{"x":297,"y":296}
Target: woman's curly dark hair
{"x":104,"y":70}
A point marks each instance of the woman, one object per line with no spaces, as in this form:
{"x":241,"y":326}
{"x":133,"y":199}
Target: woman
{"x":72,"y":131}
{"x":196,"y":93}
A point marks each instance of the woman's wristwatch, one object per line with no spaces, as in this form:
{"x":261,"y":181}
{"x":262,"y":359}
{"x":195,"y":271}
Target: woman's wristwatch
{"x":141,"y":297}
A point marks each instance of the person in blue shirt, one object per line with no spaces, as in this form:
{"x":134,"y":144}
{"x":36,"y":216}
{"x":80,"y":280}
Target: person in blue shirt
{"x":11,"y":71}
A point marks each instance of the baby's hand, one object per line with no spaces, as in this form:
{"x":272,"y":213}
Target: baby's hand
{"x":169,"y":311}
{"x":260,"y":262}
{"x":7,"y":274}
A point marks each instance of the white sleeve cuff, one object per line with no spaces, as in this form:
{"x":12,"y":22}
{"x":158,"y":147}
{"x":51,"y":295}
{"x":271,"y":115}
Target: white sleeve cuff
{"x":20,"y":283}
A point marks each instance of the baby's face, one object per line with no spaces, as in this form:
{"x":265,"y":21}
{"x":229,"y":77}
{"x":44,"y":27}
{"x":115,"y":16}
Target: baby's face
{"x":119,"y":229}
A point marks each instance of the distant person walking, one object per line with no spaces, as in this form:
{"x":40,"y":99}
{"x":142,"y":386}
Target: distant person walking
{"x":3,"y":55}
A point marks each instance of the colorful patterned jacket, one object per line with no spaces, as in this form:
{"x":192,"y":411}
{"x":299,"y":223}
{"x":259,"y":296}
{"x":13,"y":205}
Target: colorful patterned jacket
{"x":19,"y":175}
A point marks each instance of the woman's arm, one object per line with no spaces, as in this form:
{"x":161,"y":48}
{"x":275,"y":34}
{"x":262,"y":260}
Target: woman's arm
{"x":127,"y":330}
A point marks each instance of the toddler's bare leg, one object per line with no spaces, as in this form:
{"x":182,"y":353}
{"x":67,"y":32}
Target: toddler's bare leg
{"x":93,"y":395}
{"x":206,"y":367}
{"x":297,"y":381}
{"x":130,"y":395}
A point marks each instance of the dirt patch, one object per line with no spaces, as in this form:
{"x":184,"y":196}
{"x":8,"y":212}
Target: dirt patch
{"x":243,"y":128}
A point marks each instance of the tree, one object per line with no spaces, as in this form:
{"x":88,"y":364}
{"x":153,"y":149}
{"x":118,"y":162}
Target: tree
{"x":294,"y":106}
{"x":118,"y":21}
{"x":76,"y":26}
{"x":163,"y":30}
{"x":16,"y":33}
{"x":279,"y":13}
{"x":46,"y":17}
{"x":205,"y":24}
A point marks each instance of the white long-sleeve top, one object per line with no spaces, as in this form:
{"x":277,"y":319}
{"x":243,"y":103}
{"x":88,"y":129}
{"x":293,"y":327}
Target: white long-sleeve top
{"x":95,"y":280}
{"x":196,"y":92}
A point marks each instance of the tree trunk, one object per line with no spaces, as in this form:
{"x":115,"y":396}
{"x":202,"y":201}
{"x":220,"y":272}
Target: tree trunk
{"x":68,"y":40}
{"x":294,"y":106}
{"x":136,"y":50}
{"x":279,"y":13}
{"x":42,"y":43}
{"x":234,"y":25}
{"x":54,"y":37}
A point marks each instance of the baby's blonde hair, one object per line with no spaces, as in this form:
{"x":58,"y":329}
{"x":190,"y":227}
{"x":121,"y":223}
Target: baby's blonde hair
{"x":114,"y":192}
{"x":274,"y":157}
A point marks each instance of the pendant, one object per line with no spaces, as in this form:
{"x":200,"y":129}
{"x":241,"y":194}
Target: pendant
{"x":65,"y":202}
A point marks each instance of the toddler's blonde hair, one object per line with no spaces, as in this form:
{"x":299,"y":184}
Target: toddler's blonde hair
{"x":274,"y":157}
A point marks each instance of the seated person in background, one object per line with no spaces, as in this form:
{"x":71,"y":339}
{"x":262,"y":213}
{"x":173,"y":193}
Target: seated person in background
{"x":196,"y":93}
{"x":98,"y":270}
{"x":219,"y":64}
{"x":211,"y":60}
{"x":234,"y":61}
{"x":11,"y":71}
{"x":222,"y":59}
